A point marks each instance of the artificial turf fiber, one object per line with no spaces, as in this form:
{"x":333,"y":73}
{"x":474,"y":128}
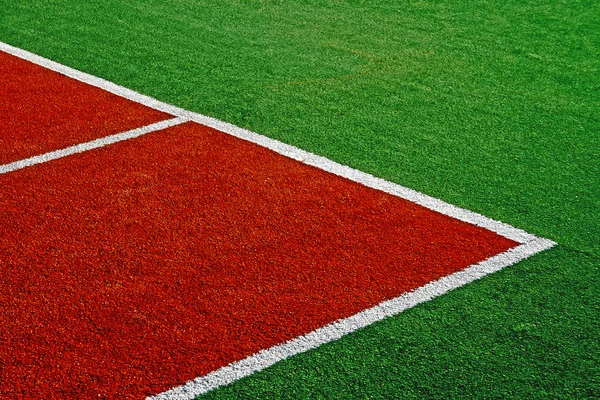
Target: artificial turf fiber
{"x":191,"y":241}
{"x":489,"y":105}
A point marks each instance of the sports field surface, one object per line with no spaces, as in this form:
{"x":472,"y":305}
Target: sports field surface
{"x":277,"y":199}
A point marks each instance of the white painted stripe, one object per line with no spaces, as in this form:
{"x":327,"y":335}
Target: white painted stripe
{"x":508,"y":231}
{"x":94,"y":144}
{"x":530,"y":244}
{"x":93,"y":80}
{"x":287,"y":150}
{"x":334,"y":331}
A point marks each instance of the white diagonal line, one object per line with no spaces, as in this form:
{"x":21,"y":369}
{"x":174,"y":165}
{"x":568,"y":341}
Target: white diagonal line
{"x":334,"y":331}
{"x":284,"y":149}
{"x":94,"y":144}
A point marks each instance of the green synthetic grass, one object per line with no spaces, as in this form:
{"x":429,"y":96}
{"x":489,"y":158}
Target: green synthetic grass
{"x":504,"y":337}
{"x":490,"y":105}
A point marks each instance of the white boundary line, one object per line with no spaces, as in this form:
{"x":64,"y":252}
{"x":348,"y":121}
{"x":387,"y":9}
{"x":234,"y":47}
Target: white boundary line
{"x":94,"y":144}
{"x":284,"y":149}
{"x":529,"y":244}
{"x":336,"y":330}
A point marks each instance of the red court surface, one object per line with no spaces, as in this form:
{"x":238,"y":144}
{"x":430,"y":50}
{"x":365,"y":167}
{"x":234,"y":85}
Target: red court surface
{"x":42,"y":110}
{"x":133,"y":268}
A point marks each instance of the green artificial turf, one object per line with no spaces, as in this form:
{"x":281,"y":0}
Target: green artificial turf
{"x":490,"y":105}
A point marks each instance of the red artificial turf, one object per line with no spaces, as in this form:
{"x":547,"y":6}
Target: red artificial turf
{"x":131,"y":269}
{"x":42,"y":110}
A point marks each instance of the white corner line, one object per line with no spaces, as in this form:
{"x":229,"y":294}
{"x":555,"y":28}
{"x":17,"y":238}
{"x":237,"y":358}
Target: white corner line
{"x":94,"y":144}
{"x":336,"y":330}
{"x":529,"y":244}
{"x":287,"y":150}
{"x":366,"y":179}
